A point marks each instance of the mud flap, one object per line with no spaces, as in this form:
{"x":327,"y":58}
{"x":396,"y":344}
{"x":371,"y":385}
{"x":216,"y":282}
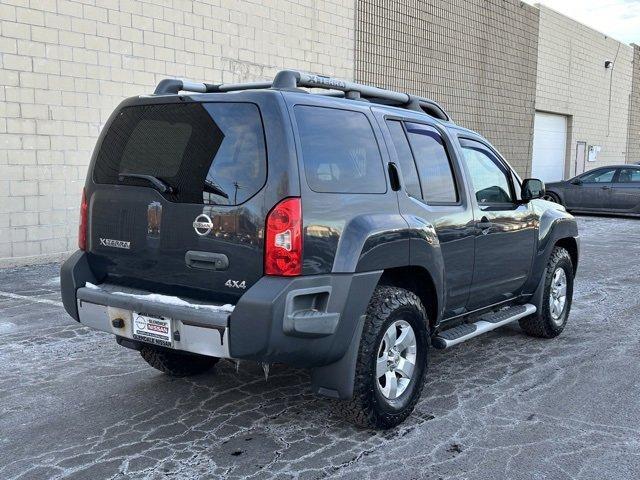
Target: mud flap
{"x":538,"y":296}
{"x":336,"y":380}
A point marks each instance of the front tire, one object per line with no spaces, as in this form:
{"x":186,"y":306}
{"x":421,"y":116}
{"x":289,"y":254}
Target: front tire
{"x":392,"y":360}
{"x":557,"y":297}
{"x":176,"y":364}
{"x":552,"y":197}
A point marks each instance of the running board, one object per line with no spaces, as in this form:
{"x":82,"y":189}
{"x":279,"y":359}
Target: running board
{"x":485,"y":323}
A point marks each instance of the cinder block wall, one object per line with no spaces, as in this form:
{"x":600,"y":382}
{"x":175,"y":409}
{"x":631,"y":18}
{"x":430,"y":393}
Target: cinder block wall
{"x":65,"y":64}
{"x":633,"y":136}
{"x":573,"y":81}
{"x":475,"y":57}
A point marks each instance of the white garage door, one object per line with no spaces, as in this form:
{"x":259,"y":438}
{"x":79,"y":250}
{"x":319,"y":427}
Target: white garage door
{"x":549,"y":147}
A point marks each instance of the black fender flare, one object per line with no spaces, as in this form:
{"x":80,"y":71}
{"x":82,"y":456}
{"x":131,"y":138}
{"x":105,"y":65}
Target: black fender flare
{"x":555,"y":226}
{"x":385,"y":241}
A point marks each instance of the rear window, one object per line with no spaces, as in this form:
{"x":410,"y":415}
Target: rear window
{"x":339,"y":150}
{"x":208,"y":153}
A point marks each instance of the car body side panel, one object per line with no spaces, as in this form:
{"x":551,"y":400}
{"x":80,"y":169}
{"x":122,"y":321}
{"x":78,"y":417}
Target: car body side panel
{"x":503,"y":250}
{"x":442,"y":236}
{"x":343,"y":230}
{"x":625,"y":197}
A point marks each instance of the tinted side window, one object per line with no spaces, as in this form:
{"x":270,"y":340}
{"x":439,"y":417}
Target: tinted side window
{"x":405,"y":158}
{"x":489,"y":177}
{"x":339,"y":150}
{"x":239,"y":169}
{"x":434,"y":168}
{"x":599,"y":176}
{"x":211,"y":154}
{"x":629,"y":175}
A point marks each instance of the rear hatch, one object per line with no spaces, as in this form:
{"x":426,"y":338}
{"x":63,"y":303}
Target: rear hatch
{"x":176,"y":202}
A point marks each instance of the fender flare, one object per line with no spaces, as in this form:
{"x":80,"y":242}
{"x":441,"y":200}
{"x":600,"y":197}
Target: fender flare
{"x":378,"y":242}
{"x":385,"y":241}
{"x":555,"y":226}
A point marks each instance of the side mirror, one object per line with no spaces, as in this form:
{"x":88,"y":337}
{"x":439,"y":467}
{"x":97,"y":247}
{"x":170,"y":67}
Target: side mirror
{"x":532,"y":188}
{"x":576,"y":181}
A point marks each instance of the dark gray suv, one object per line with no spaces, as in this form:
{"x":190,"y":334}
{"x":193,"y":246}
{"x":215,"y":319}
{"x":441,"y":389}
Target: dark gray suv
{"x":344,"y":232}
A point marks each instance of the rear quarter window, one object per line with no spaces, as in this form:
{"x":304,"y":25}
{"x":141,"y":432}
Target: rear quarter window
{"x":339,"y":151}
{"x":211,"y":153}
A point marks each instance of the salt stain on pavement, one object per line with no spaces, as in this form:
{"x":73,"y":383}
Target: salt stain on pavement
{"x":75,"y":405}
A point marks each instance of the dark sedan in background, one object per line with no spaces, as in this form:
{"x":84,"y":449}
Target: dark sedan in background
{"x":614,"y":189}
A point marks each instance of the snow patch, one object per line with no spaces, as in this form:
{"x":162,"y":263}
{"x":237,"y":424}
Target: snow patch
{"x":7,"y":327}
{"x":168,"y":300}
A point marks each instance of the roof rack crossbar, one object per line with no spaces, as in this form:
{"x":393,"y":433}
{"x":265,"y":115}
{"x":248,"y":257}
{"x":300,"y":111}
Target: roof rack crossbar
{"x":292,"y":79}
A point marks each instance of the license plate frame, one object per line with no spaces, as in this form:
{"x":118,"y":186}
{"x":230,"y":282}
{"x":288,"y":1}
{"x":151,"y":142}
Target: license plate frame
{"x":152,"y":329}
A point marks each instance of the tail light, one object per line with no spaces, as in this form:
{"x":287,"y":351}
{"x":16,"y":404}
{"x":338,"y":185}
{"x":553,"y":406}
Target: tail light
{"x":82,"y":227}
{"x":283,"y":249}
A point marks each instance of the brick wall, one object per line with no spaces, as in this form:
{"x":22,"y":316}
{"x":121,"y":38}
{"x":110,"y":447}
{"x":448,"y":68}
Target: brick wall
{"x":64,"y":66}
{"x":573,"y":81}
{"x":633,"y":136}
{"x":475,"y":57}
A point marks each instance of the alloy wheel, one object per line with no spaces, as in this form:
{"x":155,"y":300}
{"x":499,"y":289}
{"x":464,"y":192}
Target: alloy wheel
{"x":396,"y":361}
{"x":558,"y":295}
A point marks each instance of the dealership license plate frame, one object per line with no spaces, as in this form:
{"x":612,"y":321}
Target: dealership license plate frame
{"x":152,"y":329}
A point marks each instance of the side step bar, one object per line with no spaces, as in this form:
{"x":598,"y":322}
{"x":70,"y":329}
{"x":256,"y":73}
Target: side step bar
{"x":485,"y":323}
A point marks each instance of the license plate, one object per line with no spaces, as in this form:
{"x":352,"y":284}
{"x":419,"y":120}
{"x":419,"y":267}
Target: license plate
{"x":156,"y":330}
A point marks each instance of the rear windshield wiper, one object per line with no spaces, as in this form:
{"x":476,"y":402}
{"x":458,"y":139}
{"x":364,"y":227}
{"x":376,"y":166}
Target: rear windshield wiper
{"x":161,"y":186}
{"x":213,"y":188}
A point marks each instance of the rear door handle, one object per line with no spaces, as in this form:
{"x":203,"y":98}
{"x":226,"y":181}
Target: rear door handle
{"x":606,"y":187}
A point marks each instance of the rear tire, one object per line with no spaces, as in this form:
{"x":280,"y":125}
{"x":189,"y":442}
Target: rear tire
{"x":176,"y":364}
{"x":387,"y":386}
{"x":552,"y":317}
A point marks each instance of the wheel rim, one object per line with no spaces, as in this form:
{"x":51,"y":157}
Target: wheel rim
{"x":396,"y":361}
{"x":549,"y":198}
{"x":558,"y":295}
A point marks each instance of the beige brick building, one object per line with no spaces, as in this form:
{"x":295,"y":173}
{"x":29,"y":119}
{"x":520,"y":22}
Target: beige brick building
{"x":633,"y":138}
{"x":65,"y":65}
{"x":574,"y":84}
{"x":476,"y":57}
{"x":494,"y":64}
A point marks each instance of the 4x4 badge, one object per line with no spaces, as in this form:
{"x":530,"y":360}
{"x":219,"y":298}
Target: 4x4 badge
{"x":203,"y":225}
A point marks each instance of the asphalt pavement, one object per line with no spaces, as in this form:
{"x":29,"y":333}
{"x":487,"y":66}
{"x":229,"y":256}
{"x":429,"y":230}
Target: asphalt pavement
{"x":73,"y":404}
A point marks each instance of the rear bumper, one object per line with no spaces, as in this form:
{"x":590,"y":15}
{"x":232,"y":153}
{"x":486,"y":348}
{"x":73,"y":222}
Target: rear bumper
{"x":306,"y":322}
{"x":187,"y":336}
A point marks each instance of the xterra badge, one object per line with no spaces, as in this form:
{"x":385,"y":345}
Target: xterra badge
{"x":203,"y":225}
{"x":108,"y":242}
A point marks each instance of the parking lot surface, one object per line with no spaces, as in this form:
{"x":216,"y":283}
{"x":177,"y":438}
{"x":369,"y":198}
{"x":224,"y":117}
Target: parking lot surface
{"x":73,"y":404}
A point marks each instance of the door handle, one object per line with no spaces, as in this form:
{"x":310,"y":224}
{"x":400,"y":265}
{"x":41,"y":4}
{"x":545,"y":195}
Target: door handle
{"x":484,"y":224}
{"x":606,"y":187}
{"x":394,"y":177}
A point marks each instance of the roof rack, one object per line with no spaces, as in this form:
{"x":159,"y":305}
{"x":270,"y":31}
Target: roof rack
{"x":292,"y":79}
